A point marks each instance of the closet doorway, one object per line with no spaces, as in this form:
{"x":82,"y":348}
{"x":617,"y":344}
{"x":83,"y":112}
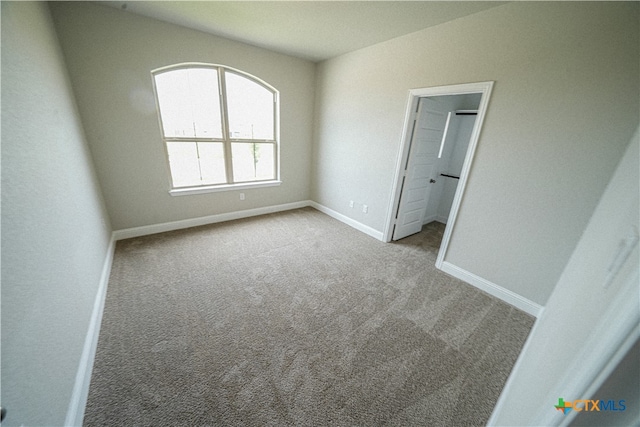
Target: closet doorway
{"x":441,"y":131}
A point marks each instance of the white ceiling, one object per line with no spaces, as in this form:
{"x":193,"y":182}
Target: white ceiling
{"x":314,"y":30}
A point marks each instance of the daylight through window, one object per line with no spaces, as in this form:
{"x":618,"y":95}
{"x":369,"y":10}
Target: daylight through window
{"x":219,"y":126}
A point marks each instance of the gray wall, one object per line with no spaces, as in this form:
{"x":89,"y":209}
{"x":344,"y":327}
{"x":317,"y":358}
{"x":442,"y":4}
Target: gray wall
{"x":622,"y":384}
{"x":110,"y":54}
{"x":55,"y":231}
{"x":581,"y":311}
{"x":453,"y":154}
{"x":463,"y":127}
{"x":564,"y":106}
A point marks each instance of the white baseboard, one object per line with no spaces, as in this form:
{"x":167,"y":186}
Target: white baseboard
{"x":349,"y":221}
{"x":442,"y":219}
{"x":80,"y":393}
{"x":75,"y":412}
{"x":436,"y":218}
{"x":429,"y":219}
{"x":505,"y":295}
{"x":609,"y":341}
{"x":145,"y":230}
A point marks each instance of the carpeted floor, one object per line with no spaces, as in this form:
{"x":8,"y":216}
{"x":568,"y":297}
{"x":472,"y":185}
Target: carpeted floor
{"x":296,"y":319}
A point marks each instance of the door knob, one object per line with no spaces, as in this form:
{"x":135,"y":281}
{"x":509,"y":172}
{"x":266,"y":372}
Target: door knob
{"x":432,"y":181}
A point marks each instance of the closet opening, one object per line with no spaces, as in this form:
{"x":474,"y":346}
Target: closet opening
{"x":442,"y":128}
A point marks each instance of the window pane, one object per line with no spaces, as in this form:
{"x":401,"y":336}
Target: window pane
{"x":251,"y":108}
{"x":183,"y":159}
{"x":189,"y":103}
{"x":253,"y":162}
{"x":212,"y":163}
{"x":200,"y":163}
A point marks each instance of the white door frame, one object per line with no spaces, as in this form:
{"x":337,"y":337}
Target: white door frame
{"x":483,"y":88}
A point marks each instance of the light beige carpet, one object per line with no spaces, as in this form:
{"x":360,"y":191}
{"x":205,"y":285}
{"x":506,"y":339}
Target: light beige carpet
{"x":296,"y":319}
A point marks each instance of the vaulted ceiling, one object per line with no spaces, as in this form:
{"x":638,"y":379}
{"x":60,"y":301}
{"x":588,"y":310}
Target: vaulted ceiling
{"x":314,"y":30}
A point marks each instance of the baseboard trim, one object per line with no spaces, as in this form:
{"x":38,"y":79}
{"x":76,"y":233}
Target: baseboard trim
{"x":429,"y":219}
{"x":436,"y":218}
{"x":75,"y":412}
{"x":128,"y":233}
{"x":145,"y":230}
{"x":505,"y":295}
{"x":442,"y":219}
{"x":80,"y":393}
{"x":349,"y":221}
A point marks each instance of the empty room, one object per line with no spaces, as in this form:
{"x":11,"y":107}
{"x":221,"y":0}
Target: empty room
{"x":309,"y":213}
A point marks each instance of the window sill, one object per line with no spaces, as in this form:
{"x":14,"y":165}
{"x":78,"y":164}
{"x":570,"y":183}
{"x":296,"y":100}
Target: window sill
{"x":217,"y":188}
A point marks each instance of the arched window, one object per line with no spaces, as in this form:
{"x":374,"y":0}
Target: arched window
{"x":219,"y":126}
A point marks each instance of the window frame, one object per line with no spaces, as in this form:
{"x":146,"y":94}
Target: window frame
{"x":225,"y":139}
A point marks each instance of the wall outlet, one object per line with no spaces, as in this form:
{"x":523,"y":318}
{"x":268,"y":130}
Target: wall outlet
{"x":241,"y":196}
{"x":351,"y":203}
{"x":365,"y":208}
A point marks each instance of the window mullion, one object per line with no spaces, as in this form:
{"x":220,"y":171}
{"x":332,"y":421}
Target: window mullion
{"x":182,"y":139}
{"x":195,"y":160}
{"x":225,"y":126}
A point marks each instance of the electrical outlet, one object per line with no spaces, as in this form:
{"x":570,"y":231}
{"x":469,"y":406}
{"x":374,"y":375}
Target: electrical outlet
{"x":365,"y":208}
{"x":351,"y":203}
{"x":241,"y":196}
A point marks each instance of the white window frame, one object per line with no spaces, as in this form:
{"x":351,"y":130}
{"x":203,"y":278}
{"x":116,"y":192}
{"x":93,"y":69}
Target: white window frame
{"x":226,"y":140}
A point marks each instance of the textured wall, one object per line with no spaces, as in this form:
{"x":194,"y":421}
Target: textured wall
{"x":564,"y":106}
{"x":110,"y":55}
{"x":55,"y":231}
